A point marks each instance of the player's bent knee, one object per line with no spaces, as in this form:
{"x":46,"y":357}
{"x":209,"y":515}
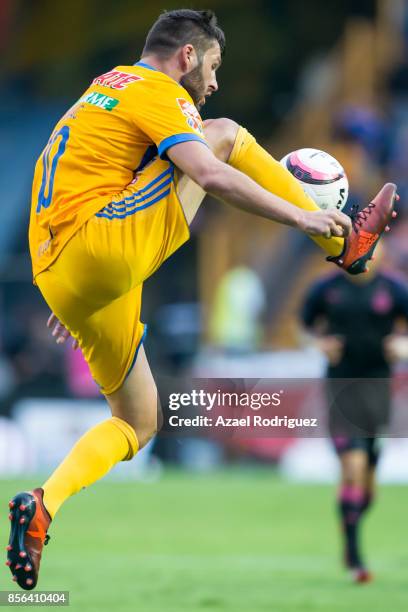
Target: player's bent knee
{"x":223,"y":128}
{"x":221,"y":134}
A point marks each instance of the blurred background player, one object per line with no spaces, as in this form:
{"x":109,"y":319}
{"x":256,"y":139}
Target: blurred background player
{"x":358,"y":323}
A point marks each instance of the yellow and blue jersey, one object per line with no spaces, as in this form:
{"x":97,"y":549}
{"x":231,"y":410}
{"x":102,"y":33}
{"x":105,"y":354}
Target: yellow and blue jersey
{"x":123,"y":120}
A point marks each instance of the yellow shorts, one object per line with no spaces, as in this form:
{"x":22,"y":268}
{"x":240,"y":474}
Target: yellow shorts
{"x":95,"y":285}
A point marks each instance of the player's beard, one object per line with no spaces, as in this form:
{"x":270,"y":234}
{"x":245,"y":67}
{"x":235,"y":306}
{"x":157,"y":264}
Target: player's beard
{"x":195,"y":85}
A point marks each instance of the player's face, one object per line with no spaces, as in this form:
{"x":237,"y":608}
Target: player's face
{"x":202,"y":81}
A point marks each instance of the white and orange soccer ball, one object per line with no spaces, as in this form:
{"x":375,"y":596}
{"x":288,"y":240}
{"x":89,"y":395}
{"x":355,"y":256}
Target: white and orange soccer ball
{"x":321,"y":176}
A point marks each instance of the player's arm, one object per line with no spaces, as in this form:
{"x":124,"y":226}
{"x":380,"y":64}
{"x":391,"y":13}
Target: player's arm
{"x":396,"y":347}
{"x":225,"y":183}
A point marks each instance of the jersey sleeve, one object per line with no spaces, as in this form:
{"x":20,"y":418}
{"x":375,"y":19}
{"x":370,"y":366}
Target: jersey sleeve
{"x":314,"y":304}
{"x":167,"y":115}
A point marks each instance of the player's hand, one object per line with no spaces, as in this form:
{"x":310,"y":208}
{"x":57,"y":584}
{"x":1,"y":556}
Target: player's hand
{"x":332,"y":347}
{"x":59,"y":332}
{"x":395,"y":348}
{"x":325,"y":223}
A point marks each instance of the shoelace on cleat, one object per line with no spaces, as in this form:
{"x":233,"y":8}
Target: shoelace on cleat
{"x":358,"y":216}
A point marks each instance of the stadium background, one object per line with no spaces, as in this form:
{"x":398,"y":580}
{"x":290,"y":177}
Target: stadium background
{"x":220,"y":526}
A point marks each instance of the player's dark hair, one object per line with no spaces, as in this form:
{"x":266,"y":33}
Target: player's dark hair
{"x":174,"y":29}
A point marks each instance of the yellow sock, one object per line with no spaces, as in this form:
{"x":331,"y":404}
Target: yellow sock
{"x":91,"y":458}
{"x":251,"y":159}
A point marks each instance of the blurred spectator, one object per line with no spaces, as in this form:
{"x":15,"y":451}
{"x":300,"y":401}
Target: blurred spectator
{"x":176,"y":335}
{"x":36,"y":361}
{"x":238,"y":304}
{"x":397,"y":159}
{"x":78,"y":376}
{"x":363,"y":125}
{"x":357,"y":135}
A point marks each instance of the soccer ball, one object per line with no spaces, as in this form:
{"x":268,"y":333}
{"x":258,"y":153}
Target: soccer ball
{"x":321,"y":176}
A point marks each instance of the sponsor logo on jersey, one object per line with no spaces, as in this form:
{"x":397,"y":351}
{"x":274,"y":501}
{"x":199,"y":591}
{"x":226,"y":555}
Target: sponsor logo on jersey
{"x":100,"y":100}
{"x":115,"y":79}
{"x":381,"y":301}
{"x":192,"y":115}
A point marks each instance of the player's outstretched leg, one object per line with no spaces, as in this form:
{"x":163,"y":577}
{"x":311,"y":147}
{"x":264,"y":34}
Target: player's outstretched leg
{"x":31,"y":512}
{"x":134,"y":408}
{"x":29,"y":525}
{"x":249,"y":157}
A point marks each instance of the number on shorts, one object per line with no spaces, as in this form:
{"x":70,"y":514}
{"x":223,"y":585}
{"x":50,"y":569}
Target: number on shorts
{"x":50,"y":167}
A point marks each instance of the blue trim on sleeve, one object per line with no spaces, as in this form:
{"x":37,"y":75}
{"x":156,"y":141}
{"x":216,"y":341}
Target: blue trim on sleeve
{"x":144,"y":65}
{"x":176,"y":139}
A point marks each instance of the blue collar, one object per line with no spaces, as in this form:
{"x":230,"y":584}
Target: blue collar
{"x":149,"y":67}
{"x":144,"y":65}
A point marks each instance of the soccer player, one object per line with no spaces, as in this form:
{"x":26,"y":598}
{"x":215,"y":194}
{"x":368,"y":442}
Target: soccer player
{"x":115,"y":190}
{"x":358,"y":323}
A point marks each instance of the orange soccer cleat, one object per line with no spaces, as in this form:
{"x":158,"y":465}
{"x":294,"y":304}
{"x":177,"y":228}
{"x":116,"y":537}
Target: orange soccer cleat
{"x":29,"y":524}
{"x":367,"y":226}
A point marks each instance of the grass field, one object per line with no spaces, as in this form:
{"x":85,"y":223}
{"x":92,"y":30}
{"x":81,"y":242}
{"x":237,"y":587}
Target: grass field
{"x":235,"y":540}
